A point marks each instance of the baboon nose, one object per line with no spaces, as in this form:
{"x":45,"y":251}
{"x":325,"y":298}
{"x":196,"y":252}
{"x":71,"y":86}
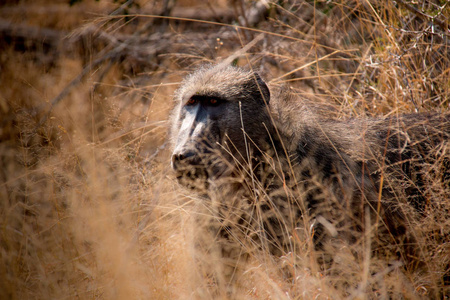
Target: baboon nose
{"x":178,"y":158}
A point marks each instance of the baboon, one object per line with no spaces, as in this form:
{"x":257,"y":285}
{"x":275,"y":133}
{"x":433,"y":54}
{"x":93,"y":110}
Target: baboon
{"x":267,"y":163}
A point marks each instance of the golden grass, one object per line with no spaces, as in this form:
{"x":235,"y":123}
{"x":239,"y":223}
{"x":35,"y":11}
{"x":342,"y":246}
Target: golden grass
{"x":88,"y":207}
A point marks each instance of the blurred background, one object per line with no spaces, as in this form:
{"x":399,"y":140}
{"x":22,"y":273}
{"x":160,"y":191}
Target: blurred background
{"x":88,"y":207}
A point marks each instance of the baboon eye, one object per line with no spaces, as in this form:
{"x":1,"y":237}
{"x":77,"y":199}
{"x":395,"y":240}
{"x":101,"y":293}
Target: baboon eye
{"x":191,"y":101}
{"x":214,"y":102}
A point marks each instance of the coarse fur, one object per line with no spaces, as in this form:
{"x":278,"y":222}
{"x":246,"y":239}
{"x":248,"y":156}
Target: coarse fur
{"x":272,"y":168}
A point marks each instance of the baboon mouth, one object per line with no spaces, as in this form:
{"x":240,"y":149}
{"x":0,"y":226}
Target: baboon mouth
{"x":193,"y":173}
{"x":195,"y":177}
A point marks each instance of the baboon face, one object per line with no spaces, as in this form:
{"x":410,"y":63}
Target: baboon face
{"x":217,"y":122}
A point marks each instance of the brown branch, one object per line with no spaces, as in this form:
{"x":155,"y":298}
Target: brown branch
{"x":77,"y":80}
{"x":443,"y":24}
{"x":13,"y":32}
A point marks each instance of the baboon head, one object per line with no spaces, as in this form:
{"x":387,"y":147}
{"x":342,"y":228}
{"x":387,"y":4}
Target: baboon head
{"x":220,"y":120}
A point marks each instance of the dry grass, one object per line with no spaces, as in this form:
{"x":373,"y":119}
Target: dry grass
{"x":88,"y":207}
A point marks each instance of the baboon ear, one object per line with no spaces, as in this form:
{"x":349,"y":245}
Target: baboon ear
{"x":262,"y":89}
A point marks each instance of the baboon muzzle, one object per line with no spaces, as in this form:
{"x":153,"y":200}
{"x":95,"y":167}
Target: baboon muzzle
{"x":184,"y":158}
{"x":190,"y":170}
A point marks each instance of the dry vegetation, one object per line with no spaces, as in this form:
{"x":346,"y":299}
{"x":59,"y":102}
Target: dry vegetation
{"x":88,"y":206}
